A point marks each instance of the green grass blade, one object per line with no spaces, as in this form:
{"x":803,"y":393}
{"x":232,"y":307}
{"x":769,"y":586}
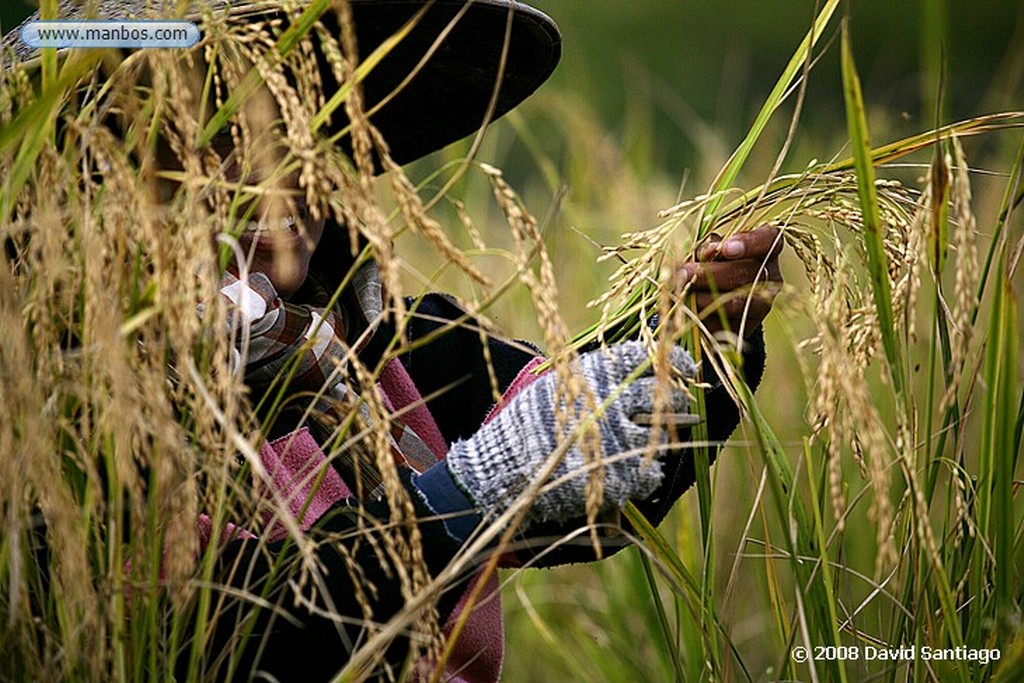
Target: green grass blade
{"x":659,"y":608}
{"x":825,"y":569}
{"x":702,"y":474}
{"x":939,"y":210}
{"x":727,"y":177}
{"x":998,"y":433}
{"x":33,"y":126}
{"x":874,"y":231}
{"x":48,"y":55}
{"x":799,"y":534}
{"x":662,"y":551}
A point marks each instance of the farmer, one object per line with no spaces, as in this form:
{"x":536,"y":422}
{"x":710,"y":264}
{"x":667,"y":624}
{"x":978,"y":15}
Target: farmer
{"x":463,"y":458}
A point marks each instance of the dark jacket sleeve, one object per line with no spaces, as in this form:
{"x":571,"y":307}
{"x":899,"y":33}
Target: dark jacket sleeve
{"x":550,"y":544}
{"x":291,"y":639}
{"x":454,"y":363}
{"x":447,"y":360}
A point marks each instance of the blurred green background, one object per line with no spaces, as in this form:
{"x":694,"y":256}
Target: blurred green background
{"x":719,"y":59}
{"x":670,"y":67}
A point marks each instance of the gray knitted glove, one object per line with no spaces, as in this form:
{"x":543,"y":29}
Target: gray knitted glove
{"x":499,"y":462}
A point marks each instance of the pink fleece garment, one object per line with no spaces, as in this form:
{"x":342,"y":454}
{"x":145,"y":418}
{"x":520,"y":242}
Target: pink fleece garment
{"x":401,"y":394}
{"x":296,"y":464}
{"x":293,"y":462}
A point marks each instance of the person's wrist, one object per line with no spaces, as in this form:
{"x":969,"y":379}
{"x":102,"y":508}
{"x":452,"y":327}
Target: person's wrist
{"x":448,"y":498}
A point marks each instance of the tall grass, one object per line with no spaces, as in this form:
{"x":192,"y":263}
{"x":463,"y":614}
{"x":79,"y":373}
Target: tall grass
{"x":864,"y":526}
{"x":123,"y":420}
{"x":889,"y":515}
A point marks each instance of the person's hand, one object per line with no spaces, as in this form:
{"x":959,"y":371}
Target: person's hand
{"x":498,"y":463}
{"x":735,"y":280}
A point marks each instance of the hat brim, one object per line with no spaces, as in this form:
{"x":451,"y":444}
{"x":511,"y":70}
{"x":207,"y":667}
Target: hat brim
{"x":449,"y":97}
{"x":451,"y":93}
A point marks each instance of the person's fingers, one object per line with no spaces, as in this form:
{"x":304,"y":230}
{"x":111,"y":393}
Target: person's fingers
{"x":735,"y":308}
{"x":725,"y":271}
{"x":682,"y":362}
{"x":760,"y":243}
{"x":732,"y":305}
{"x":643,"y":397}
{"x":708,"y":251}
{"x":725,"y":276}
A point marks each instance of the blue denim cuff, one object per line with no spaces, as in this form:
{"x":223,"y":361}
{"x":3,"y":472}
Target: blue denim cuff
{"x":446,"y":500}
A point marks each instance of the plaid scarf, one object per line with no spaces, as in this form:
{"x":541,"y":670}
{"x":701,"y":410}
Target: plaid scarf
{"x":307,"y":341}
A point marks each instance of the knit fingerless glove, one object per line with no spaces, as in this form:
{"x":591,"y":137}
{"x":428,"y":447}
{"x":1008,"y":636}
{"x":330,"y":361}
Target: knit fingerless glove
{"x":503,"y":457}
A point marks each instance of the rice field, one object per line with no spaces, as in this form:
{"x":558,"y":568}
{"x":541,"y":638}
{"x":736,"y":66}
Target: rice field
{"x":865,"y":521}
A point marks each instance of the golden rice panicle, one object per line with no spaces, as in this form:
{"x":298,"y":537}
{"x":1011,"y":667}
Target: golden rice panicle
{"x":643,"y":254}
{"x":31,"y":476}
{"x":675,"y":322}
{"x":371,"y":220}
{"x":117,"y":377}
{"x":96,"y":306}
{"x":966,"y":273}
{"x":965,"y":524}
{"x":905,"y":241}
{"x":399,"y":543}
{"x":844,"y":409}
{"x":362,"y":212}
{"x":415,"y":214}
{"x":571,"y":390}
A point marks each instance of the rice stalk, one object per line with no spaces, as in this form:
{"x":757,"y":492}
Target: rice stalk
{"x":967,"y":272}
{"x":995,"y":497}
{"x":98,"y":346}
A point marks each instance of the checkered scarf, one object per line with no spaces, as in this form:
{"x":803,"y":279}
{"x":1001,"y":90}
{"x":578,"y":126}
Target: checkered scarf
{"x":309,"y":342}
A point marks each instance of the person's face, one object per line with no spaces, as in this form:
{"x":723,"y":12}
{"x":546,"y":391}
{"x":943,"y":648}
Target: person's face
{"x":280,"y":234}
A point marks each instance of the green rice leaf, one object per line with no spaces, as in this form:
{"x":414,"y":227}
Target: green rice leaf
{"x":825,"y":568}
{"x":997,"y":438}
{"x":727,"y":177}
{"x":874,"y":231}
{"x":48,"y":55}
{"x":34,"y":125}
{"x":662,"y":550}
{"x":800,"y":534}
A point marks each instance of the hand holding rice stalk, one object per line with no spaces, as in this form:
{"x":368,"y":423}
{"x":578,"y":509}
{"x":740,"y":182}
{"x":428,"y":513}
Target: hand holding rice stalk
{"x":821,"y":214}
{"x":734,"y":279}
